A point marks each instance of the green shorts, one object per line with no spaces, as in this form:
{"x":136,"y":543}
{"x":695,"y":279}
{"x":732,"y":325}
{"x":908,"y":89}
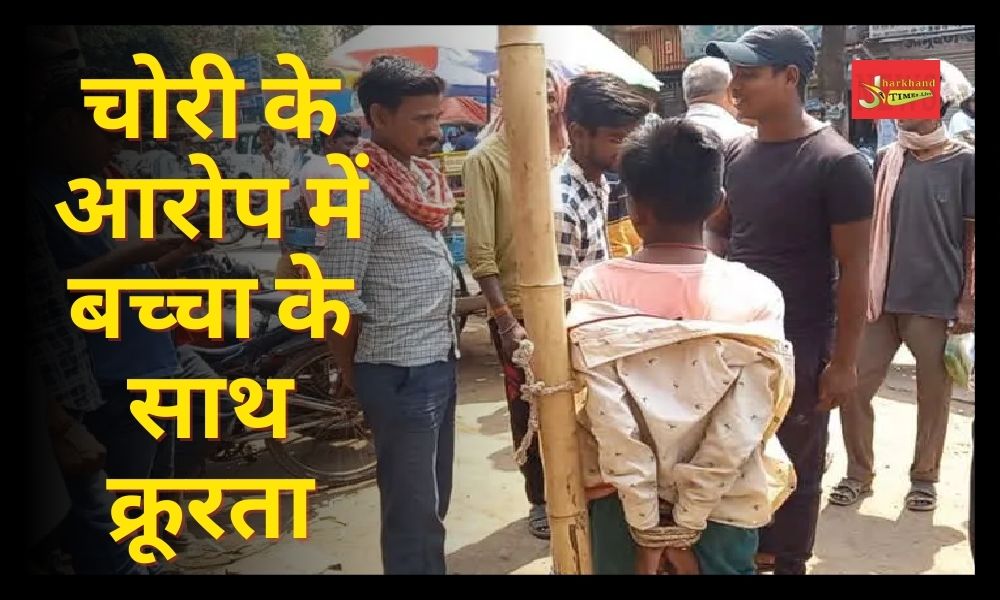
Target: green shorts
{"x":722,"y":549}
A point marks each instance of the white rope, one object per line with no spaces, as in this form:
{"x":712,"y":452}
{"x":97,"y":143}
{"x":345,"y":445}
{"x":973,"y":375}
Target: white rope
{"x":531,"y":390}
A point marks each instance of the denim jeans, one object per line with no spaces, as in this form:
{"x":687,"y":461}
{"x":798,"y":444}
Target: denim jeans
{"x":87,"y":530}
{"x":411,"y":411}
{"x":132,"y":451}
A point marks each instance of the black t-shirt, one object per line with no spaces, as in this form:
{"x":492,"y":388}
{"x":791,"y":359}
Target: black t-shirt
{"x":783,"y":198}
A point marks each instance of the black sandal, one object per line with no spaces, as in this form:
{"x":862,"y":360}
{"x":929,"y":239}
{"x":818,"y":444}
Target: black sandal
{"x":538,"y":522}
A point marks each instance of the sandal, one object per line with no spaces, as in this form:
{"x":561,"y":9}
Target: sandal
{"x":922,"y":497}
{"x":538,"y":522}
{"x":849,"y":491}
{"x":765,"y":563}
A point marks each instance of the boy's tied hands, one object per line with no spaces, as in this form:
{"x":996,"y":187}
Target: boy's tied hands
{"x":667,"y":548}
{"x":665,"y":561}
{"x":648,"y":560}
{"x":78,"y":452}
{"x":679,"y":561}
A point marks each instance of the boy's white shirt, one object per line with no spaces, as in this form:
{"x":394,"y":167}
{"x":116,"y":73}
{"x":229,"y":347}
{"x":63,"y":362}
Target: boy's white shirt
{"x":711,"y":396}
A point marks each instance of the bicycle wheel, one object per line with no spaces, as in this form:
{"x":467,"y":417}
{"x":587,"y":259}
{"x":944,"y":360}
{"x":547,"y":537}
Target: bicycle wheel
{"x":328,"y":439}
{"x":234,"y":230}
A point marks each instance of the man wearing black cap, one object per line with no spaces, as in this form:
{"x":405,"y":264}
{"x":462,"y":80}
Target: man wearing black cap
{"x":799,"y":204}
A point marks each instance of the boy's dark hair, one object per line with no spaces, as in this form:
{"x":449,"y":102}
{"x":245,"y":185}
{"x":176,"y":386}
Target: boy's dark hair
{"x":602,"y":100}
{"x":803,"y":79}
{"x":346,"y":126}
{"x":391,"y":78}
{"x":674,"y":167}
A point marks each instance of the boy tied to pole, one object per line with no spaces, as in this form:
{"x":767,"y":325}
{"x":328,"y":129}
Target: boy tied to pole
{"x":688,"y":377}
{"x":798,"y":210}
{"x":922,"y":288}
{"x":399,"y":353}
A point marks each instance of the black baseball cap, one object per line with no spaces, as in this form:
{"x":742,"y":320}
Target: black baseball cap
{"x":768,"y":45}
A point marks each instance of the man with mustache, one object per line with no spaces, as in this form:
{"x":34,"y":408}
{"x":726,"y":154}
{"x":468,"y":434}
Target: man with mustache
{"x":399,"y":352}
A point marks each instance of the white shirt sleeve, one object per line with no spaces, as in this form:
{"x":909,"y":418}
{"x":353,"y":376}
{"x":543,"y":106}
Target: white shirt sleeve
{"x":961,"y":122}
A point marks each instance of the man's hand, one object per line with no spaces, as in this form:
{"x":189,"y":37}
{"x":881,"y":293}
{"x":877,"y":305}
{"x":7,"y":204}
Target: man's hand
{"x":837,"y":385}
{"x":965,"y":320}
{"x":344,"y":386}
{"x":151,"y":251}
{"x":514,"y":333}
{"x":78,"y":452}
{"x":167,"y":264}
{"x":647,"y":560}
{"x":681,"y":561}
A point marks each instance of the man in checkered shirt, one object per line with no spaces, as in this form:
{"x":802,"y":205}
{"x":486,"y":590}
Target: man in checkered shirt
{"x":399,"y":351}
{"x":601,"y":110}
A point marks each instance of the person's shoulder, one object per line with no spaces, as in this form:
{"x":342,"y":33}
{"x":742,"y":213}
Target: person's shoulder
{"x":960,"y":117}
{"x":561,"y":179}
{"x":828,"y":143}
{"x":735,"y":146}
{"x":966,"y":151}
{"x":564,"y":195}
{"x":589,"y":280}
{"x":375,"y":192}
{"x":739,"y":130}
{"x":965,"y":154}
{"x":480,"y":151}
{"x":757,"y":287}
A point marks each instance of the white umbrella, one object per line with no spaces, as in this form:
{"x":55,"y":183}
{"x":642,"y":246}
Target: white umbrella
{"x":462,"y":53}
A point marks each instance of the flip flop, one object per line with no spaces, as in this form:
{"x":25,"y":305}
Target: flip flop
{"x":849,"y":491}
{"x":922,"y":497}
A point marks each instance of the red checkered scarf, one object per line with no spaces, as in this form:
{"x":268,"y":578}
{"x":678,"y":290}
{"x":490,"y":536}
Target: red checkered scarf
{"x":431,"y":208}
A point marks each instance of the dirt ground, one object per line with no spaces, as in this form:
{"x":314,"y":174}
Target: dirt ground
{"x":487,"y":531}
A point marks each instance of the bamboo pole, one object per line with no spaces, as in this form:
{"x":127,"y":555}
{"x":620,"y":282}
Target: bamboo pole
{"x":522,"y":79}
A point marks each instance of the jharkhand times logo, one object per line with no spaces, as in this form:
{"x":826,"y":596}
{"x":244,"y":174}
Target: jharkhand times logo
{"x":898,"y":93}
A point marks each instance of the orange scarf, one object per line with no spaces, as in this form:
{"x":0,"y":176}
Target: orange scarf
{"x":429,"y":205}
